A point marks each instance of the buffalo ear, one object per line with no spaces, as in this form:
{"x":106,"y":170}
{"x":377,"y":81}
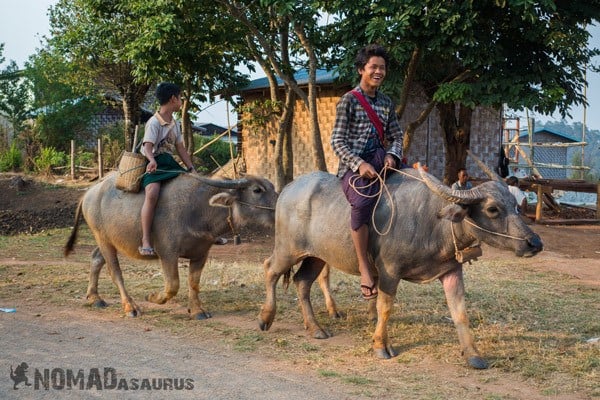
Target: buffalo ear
{"x":222,"y":200}
{"x":453,"y":212}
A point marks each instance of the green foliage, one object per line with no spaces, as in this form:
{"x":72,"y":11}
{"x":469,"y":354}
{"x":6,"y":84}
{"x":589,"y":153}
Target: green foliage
{"x":113,"y":143}
{"x":56,"y":126}
{"x":15,"y":96}
{"x":11,"y":159}
{"x":85,"y":159}
{"x":213,"y":156}
{"x":589,"y":175}
{"x":62,"y":113}
{"x":259,"y":113}
{"x":521,"y":53}
{"x":48,"y":158}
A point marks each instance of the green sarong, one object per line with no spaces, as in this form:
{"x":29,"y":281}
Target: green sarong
{"x":167,"y":168}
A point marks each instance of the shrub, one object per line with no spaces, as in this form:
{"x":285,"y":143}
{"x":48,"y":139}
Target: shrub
{"x":49,"y":157}
{"x":219,"y":151}
{"x":11,"y":159}
{"x":85,"y":159}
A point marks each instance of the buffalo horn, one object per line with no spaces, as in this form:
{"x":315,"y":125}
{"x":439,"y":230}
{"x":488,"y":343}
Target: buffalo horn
{"x":493,"y":176}
{"x":224,"y":183}
{"x":470,"y":196}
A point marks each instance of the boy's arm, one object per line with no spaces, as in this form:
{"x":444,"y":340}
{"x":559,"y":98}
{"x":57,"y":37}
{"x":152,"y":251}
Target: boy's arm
{"x":185,"y":157}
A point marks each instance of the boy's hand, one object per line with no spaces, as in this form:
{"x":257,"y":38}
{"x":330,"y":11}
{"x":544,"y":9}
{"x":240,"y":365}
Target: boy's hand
{"x":151,"y":167}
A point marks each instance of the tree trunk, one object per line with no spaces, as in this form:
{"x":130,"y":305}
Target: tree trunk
{"x":133,"y":97}
{"x":186,"y":122}
{"x":455,"y":121}
{"x":283,"y":152}
{"x":288,"y":153}
{"x":317,"y":144}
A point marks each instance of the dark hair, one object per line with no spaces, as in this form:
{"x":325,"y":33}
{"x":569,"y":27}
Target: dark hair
{"x":372,"y":50}
{"x":461,"y":169}
{"x":512,"y":181}
{"x":166,"y":90}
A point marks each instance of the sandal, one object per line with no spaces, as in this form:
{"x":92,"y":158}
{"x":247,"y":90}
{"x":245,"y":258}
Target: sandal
{"x":146,"y":251}
{"x":370,"y":292}
{"x":221,"y":241}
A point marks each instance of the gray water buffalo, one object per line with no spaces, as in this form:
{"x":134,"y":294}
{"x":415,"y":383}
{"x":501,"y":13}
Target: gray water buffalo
{"x":191,"y":213}
{"x":430,"y":226}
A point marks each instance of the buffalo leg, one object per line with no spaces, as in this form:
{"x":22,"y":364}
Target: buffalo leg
{"x":304,"y":278}
{"x":385,"y":301}
{"x":96,"y":265}
{"x":455,"y":296}
{"x":323,"y":280}
{"x":194,"y":303}
{"x":269,"y":308}
{"x":114,"y":269}
{"x":171,"y":278}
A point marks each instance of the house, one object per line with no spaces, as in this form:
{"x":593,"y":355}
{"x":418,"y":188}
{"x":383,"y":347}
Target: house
{"x":209,"y":130}
{"x":549,"y":147}
{"x":256,"y":144}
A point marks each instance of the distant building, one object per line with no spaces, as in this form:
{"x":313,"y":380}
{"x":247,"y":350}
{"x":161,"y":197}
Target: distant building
{"x":209,"y":130}
{"x":550,"y":147}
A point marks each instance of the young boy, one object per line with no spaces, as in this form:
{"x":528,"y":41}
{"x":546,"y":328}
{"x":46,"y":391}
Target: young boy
{"x":360,"y":147}
{"x":162,"y":136}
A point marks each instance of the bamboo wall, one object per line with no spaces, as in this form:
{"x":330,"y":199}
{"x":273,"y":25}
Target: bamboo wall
{"x":257,"y":144}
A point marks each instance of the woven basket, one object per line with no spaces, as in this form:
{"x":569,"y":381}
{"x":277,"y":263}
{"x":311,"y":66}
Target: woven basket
{"x":131,"y":169}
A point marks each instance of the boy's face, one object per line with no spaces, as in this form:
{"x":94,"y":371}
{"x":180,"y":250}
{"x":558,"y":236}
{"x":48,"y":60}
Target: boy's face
{"x":175,"y":103}
{"x":373,"y":72}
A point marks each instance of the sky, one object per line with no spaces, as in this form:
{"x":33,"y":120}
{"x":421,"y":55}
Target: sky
{"x":25,"y":22}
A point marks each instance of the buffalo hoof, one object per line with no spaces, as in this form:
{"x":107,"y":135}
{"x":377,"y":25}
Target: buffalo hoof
{"x":383,"y":354}
{"x":100,"y":304}
{"x":202,"y":316}
{"x":264,"y":326}
{"x":339,"y":315}
{"x":477,"y":363}
{"x":133,"y":313}
{"x":321,"y":334}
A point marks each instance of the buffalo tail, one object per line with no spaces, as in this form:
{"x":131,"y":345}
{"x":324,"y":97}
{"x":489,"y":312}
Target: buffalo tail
{"x":73,"y":238}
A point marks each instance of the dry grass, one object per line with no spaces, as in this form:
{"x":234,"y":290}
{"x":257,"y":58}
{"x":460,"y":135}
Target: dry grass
{"x":530,"y":325}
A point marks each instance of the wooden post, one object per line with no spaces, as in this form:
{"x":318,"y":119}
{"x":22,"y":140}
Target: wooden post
{"x":540,"y":202}
{"x":100,"y":166}
{"x":72,"y":160}
{"x":598,"y":201}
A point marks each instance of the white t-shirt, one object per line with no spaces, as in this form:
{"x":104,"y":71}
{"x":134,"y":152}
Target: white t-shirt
{"x":163,"y":135}
{"x":518,"y":195}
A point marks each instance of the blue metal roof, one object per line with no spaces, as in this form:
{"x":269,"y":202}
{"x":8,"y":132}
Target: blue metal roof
{"x":323,"y":77}
{"x":552,"y":132}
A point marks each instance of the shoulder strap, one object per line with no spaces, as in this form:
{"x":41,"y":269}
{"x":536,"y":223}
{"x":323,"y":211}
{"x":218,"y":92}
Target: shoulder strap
{"x":370,"y":112}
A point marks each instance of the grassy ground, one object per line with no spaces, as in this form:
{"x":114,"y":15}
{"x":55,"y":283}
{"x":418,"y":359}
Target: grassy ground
{"x":534,"y":327}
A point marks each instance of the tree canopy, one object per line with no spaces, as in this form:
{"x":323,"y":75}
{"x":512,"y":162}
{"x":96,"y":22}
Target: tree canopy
{"x":525,"y":54}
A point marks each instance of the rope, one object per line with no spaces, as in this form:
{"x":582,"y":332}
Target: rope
{"x":256,"y":205}
{"x":382,"y":187}
{"x":131,"y":169}
{"x":492,"y":232}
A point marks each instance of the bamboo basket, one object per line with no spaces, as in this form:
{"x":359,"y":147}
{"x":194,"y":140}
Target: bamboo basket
{"x":130,"y":172}
{"x":131,"y":168}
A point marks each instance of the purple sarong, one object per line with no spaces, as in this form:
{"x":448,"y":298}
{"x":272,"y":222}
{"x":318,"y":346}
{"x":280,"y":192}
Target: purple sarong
{"x":361,"y":206}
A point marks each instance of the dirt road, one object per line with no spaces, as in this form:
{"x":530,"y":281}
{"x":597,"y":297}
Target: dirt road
{"x":138,"y":363}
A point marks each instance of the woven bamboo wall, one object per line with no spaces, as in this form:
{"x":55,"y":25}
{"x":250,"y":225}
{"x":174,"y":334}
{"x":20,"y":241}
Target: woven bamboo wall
{"x":257,"y":145}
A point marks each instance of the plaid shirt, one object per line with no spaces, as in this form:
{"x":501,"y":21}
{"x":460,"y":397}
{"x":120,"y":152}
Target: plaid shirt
{"x":353,"y":128}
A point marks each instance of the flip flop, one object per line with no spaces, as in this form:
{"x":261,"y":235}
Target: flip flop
{"x":221,"y":241}
{"x":371,"y":291}
{"x":146,"y":251}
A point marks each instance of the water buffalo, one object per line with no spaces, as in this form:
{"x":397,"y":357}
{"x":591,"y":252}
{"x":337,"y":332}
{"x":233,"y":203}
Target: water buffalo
{"x":191,"y":213}
{"x":430,"y":224}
